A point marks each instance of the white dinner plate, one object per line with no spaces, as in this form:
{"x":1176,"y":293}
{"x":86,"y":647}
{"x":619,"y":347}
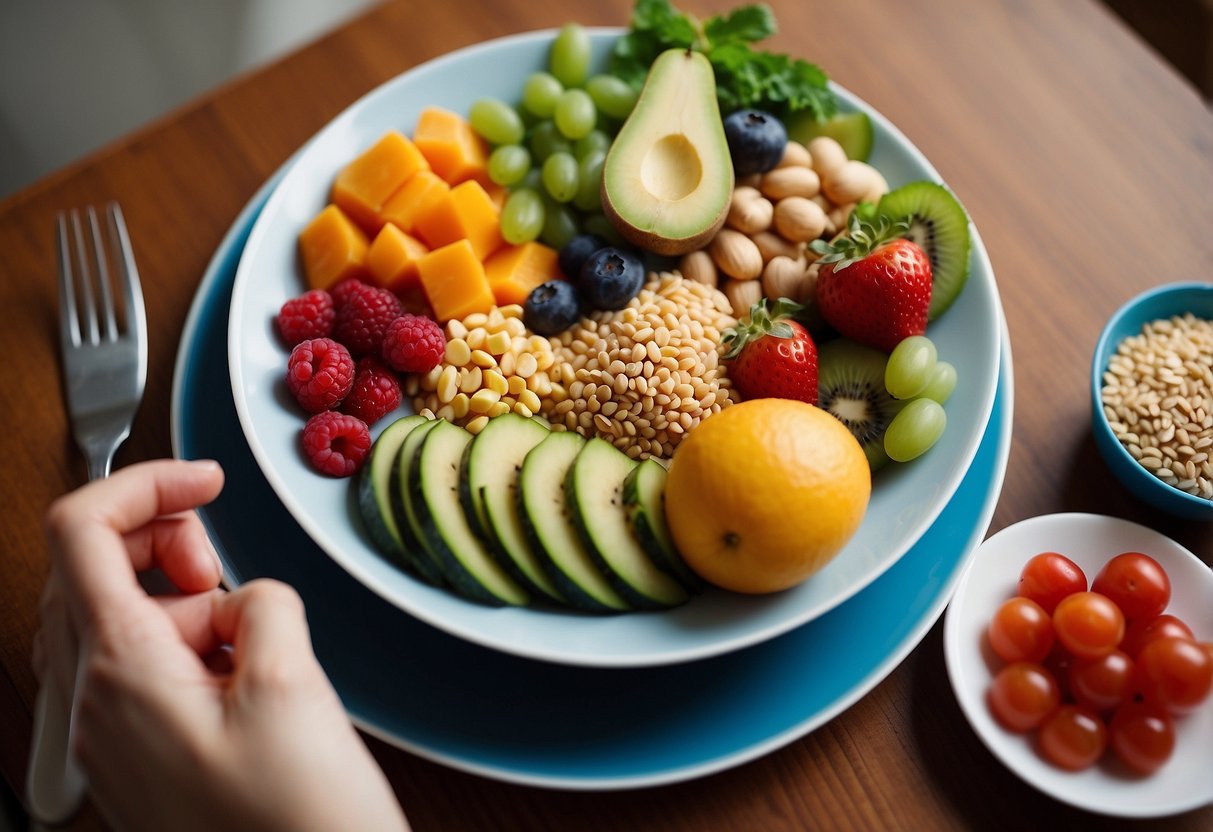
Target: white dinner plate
{"x":906,"y":498}
{"x":1090,"y":540}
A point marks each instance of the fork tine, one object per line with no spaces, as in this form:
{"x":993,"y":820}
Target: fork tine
{"x":86,"y":281}
{"x":132,"y":290}
{"x":69,"y":323}
{"x":101,"y":259}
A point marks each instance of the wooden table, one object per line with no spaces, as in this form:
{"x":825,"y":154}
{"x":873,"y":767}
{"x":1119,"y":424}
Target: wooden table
{"x":1085,"y":161}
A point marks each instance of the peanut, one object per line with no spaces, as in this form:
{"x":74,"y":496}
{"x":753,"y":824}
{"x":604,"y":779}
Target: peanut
{"x":795,"y":154}
{"x":849,"y":183}
{"x":742,"y":294}
{"x":785,"y":182}
{"x":749,"y":211}
{"x":698,"y":266}
{"x":736,"y":254}
{"x":771,"y":245}
{"x":784,"y":277}
{"x":799,"y":220}
{"x":828,"y":155}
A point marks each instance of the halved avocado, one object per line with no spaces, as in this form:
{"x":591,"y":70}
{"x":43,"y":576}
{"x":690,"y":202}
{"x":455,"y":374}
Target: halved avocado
{"x":668,"y":177}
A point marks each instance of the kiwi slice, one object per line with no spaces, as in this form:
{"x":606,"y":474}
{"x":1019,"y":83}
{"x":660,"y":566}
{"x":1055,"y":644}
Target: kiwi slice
{"x":939,"y":224}
{"x":851,"y":130}
{"x":850,"y":385}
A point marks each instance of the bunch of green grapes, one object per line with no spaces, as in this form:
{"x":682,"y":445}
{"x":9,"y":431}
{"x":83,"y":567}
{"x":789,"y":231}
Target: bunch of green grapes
{"x":549,"y":150}
{"x":915,"y":375}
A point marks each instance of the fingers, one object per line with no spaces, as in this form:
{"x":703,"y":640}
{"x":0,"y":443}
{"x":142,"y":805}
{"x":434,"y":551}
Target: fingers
{"x":179,"y":546}
{"x":265,"y":624}
{"x":86,"y":528}
{"x":193,"y":617}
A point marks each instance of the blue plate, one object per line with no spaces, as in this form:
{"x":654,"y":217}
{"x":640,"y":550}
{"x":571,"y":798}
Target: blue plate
{"x":553,"y":725}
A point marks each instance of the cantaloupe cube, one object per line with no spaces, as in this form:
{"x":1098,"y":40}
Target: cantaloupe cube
{"x":332,"y":247}
{"x":513,"y":271}
{"x":466,"y":213}
{"x":392,"y":259}
{"x":454,"y":281}
{"x":454,"y":150}
{"x":365,"y":184}
{"x":414,"y":199}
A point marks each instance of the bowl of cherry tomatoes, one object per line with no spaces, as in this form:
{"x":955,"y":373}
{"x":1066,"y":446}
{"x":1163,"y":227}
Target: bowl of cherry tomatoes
{"x":1080,"y":648}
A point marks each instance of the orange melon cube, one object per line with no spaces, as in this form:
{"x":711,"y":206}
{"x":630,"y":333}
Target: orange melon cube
{"x":392,"y":259}
{"x":513,"y":271}
{"x":365,"y":184}
{"x":332,"y":247}
{"x":454,"y":150}
{"x":454,"y":281}
{"x":414,"y":199}
{"x":466,"y":213}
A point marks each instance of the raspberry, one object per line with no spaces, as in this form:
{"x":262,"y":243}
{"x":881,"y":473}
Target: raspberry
{"x":309,"y":315}
{"x":346,"y":289}
{"x":364,"y":318}
{"x":376,"y":391}
{"x":336,"y":443}
{"x":413,"y":344}
{"x":319,"y":374}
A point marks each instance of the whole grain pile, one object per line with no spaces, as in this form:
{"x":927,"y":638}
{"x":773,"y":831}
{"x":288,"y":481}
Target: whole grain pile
{"x":640,"y":377}
{"x":1158,"y":398}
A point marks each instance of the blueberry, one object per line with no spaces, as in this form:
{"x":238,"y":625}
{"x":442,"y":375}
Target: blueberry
{"x":551,"y":307}
{"x":756,"y":140}
{"x":575,"y":251}
{"x":610,"y":277}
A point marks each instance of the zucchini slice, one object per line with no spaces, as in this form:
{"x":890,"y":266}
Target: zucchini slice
{"x":375,"y":488}
{"x":491,"y":466}
{"x":549,"y":525}
{"x":594,"y":489}
{"x":444,"y":527}
{"x":415,"y":550}
{"x":644,"y":503}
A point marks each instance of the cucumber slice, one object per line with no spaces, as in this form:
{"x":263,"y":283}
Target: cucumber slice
{"x":423,"y":562}
{"x":549,"y":527}
{"x":644,"y":503}
{"x":491,"y":467}
{"x":594,"y":489}
{"x":851,"y":130}
{"x":443,"y":527}
{"x":375,"y":502}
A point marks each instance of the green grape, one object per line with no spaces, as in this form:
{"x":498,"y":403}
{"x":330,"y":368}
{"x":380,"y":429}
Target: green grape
{"x":569,"y":59}
{"x":600,"y":225}
{"x":589,"y":182}
{"x":539,"y":94}
{"x":591,"y":142}
{"x":522,"y":216}
{"x":910,"y":366}
{"x":575,"y":114}
{"x":546,"y":140}
{"x":612,"y":95}
{"x":914,"y":429}
{"x":559,"y":225}
{"x":942,"y":383}
{"x":496,"y":121}
{"x":560,"y":176}
{"x":508,"y":164}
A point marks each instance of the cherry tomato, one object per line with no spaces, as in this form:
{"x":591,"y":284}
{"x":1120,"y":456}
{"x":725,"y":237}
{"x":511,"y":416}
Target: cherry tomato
{"x":1073,"y":738}
{"x":1023,"y":695}
{"x":1059,"y":664}
{"x":1142,"y":736}
{"x":1088,"y":624}
{"x":1021,"y":631}
{"x":1102,"y":684}
{"x":1174,"y":673}
{"x":1136,"y":583}
{"x":1145,"y":630}
{"x":1048,"y":577}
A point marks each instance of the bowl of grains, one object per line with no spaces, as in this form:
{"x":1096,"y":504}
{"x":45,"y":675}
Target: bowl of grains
{"x":1152,"y":397}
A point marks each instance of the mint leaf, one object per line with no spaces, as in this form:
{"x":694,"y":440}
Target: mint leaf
{"x":745,"y":24}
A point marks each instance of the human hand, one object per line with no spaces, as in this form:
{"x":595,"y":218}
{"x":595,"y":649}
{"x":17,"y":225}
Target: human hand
{"x":204,"y":710}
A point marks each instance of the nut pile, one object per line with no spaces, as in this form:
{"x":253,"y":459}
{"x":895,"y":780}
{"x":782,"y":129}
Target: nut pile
{"x":763,"y":249}
{"x":643,"y":376}
{"x":1158,"y":398}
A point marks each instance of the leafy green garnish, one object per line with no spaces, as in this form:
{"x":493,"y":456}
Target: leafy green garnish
{"x":745,"y":77}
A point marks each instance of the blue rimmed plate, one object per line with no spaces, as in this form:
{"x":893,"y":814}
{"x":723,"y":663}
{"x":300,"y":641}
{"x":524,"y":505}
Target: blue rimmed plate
{"x":519,"y":720}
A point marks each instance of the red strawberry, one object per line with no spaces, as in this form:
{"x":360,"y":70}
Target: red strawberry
{"x":771,"y":355}
{"x":874,"y":285}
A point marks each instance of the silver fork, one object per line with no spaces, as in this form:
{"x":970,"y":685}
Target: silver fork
{"x":104,"y":354}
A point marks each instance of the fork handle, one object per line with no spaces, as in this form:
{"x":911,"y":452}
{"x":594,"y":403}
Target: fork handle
{"x":54,"y":784}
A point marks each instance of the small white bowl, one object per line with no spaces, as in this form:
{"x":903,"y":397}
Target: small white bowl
{"x":1186,"y":780}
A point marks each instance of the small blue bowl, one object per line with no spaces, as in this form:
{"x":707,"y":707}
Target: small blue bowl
{"x":1160,"y":302}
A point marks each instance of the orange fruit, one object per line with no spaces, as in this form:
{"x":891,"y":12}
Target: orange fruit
{"x":765,"y":493}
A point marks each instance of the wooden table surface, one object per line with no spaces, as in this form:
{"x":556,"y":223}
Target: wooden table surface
{"x":1084,"y":160}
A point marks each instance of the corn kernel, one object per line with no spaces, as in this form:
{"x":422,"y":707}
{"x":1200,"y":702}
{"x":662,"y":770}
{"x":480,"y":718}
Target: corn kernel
{"x":477,"y":424}
{"x":496,"y":382}
{"x":482,"y":400}
{"x":516,"y":385}
{"x":459,"y":405}
{"x":482,"y":359}
{"x":458,"y":352}
{"x":470,"y":379}
{"x":448,"y":384}
{"x":498,"y":409}
{"x":498,"y":342}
